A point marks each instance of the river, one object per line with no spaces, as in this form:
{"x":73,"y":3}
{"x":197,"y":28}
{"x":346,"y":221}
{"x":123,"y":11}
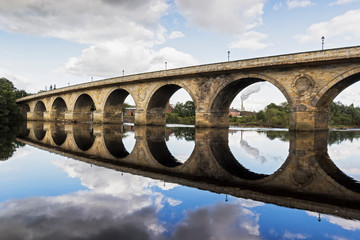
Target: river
{"x":88,"y":181}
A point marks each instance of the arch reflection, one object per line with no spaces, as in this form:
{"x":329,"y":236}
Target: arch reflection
{"x":308,"y":179}
{"x":113,"y":139}
{"x":84,"y":136}
{"x":58,"y":134}
{"x":156,"y":141}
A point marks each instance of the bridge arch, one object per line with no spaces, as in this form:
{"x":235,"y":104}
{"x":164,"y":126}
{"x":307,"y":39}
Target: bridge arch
{"x":223,"y":96}
{"x":84,"y":108}
{"x":39,"y":110}
{"x":330,"y":91}
{"x":113,"y":106}
{"x":156,"y":108}
{"x":59,"y":109}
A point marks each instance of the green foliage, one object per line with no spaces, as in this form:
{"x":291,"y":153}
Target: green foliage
{"x":341,"y":115}
{"x":185,"y":110}
{"x":21,"y":93}
{"x":125,"y":106}
{"x":8,"y":143}
{"x":175,"y":118}
{"x":182,"y":114}
{"x":187,"y":133}
{"x":9,"y":111}
{"x":272,"y":116}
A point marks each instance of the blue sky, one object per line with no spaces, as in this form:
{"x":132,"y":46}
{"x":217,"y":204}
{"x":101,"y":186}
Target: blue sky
{"x":67,"y":42}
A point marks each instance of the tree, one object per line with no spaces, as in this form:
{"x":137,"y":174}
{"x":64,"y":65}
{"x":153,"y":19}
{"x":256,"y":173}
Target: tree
{"x":185,"y":110}
{"x":8,"y":108}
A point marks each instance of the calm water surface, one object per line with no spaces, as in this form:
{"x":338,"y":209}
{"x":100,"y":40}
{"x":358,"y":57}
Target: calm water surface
{"x":60,"y":184}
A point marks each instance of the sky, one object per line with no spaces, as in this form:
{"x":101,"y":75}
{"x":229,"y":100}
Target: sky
{"x":67,"y":42}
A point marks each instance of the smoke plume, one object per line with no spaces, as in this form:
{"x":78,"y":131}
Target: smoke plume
{"x":248,"y":91}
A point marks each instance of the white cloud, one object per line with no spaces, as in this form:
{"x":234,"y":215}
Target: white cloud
{"x":351,"y":225}
{"x":342,"y":2}
{"x":16,"y":79}
{"x":231,"y":17}
{"x":250,"y":40}
{"x":277,"y":6}
{"x":289,"y":235}
{"x":345,"y":25}
{"x":84,"y":21}
{"x":173,"y":202}
{"x":176,"y":34}
{"x":109,"y":59}
{"x":222,"y":221}
{"x":121,"y":35}
{"x":298,"y":3}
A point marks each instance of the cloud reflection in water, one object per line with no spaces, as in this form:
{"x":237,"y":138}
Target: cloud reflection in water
{"x":117,"y":206}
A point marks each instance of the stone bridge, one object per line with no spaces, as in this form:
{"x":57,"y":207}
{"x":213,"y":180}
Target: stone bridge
{"x":309,"y":81}
{"x":308,"y":179}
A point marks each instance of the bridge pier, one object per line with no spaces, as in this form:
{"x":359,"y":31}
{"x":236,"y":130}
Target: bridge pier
{"x":112,"y":117}
{"x":314,"y":120}
{"x":212,"y":119}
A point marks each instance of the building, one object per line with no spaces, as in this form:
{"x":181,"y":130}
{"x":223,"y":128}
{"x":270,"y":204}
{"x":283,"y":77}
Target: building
{"x":234,"y":112}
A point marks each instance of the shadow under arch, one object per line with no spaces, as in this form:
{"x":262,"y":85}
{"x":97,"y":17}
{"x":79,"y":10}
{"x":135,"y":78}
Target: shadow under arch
{"x":39,"y":110}
{"x":335,"y":173}
{"x":113,"y":106}
{"x":221,"y":151}
{"x":113,"y":136}
{"x":156,"y":142}
{"x":39,"y":131}
{"x":59,"y":108}
{"x":59,"y":134}
{"x":84,"y":136}
{"x":156,"y":108}
{"x":83,"y":108}
{"x":224,"y":96}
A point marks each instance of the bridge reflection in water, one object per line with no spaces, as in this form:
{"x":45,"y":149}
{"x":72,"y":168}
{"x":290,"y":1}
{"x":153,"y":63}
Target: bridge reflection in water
{"x":308,"y":179}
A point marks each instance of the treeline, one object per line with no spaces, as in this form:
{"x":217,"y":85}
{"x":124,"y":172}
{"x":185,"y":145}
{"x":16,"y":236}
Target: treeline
{"x":10,"y":117}
{"x":342,"y":115}
{"x":272,"y":116}
{"x":183,"y":113}
{"x":9,"y":111}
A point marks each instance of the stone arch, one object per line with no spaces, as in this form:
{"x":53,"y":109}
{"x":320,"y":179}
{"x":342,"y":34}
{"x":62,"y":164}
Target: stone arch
{"x":24,"y":109}
{"x":223,"y":97}
{"x":59,"y":109}
{"x":113,"y":106}
{"x":84,"y":108}
{"x":330,"y":91}
{"x":155,"y":110}
{"x":39,"y":110}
